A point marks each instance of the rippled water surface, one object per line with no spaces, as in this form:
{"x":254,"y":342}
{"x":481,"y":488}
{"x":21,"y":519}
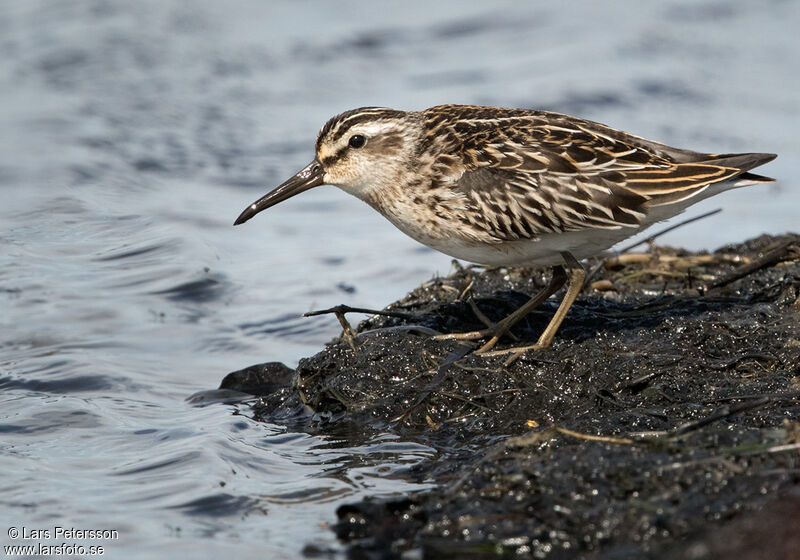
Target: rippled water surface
{"x":133,"y":133}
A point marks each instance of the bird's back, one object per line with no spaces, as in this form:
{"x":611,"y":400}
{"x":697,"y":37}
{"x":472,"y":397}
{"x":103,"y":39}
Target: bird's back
{"x":506,"y":177}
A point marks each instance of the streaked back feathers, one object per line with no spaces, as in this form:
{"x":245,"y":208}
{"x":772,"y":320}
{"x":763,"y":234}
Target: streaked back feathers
{"x":507,"y":174}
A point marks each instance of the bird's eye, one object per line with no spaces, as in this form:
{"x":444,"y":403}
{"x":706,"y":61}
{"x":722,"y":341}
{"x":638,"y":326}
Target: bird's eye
{"x":356,"y":141}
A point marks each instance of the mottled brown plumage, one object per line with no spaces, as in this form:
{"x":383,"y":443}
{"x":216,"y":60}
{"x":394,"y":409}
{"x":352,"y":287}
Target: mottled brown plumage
{"x":511,"y":186}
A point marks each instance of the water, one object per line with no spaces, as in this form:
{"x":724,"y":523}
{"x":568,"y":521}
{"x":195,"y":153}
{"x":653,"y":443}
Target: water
{"x":133,"y":133}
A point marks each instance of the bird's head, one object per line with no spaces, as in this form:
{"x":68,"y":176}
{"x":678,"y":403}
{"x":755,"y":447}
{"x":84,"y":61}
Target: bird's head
{"x":356,"y":151}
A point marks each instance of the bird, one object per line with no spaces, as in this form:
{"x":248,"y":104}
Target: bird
{"x":507,"y":187}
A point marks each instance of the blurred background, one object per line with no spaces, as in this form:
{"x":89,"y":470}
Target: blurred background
{"x":133,"y":133}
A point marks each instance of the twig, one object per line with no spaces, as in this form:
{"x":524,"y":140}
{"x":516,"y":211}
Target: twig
{"x":342,"y":309}
{"x":720,"y":365}
{"x":606,"y":439}
{"x":791,"y":396}
{"x":639,"y":383}
{"x":466,"y":290}
{"x":670,"y":228}
{"x":535,"y":437}
{"x":464,"y":399}
{"x":723,"y":412}
{"x":694,"y":425}
{"x":413,"y":329}
{"x":786,"y":447}
{"x":348,"y":334}
{"x":768,"y":259}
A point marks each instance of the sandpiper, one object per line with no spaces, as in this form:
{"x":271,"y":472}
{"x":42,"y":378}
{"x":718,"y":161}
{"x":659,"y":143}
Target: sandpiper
{"x":511,"y":187}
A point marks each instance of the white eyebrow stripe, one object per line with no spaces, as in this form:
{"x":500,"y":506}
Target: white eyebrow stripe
{"x":371,"y":128}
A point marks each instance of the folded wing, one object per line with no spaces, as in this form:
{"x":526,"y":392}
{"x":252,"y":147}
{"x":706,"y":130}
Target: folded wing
{"x":558,"y":176}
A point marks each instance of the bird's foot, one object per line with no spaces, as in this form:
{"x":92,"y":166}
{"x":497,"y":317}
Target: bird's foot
{"x":493,"y":331}
{"x":474,"y":335}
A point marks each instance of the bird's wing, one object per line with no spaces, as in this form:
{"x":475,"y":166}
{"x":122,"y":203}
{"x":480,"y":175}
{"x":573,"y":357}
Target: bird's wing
{"x":572,"y":175}
{"x":509,"y":205}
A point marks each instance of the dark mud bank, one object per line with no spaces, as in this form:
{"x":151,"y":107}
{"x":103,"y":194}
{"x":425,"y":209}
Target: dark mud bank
{"x":662,"y":423}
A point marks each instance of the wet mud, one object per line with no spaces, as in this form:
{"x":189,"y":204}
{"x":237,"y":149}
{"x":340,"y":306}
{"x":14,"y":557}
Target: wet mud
{"x":662,"y":422}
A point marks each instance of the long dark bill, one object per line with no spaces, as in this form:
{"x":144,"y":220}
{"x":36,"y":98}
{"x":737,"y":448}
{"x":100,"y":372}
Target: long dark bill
{"x":307,"y":178}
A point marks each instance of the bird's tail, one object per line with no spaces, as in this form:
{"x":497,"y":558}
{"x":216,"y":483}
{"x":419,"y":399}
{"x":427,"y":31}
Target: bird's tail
{"x":744,"y":163}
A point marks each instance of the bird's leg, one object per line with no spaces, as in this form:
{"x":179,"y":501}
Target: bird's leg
{"x":577,"y":274}
{"x":500,"y":328}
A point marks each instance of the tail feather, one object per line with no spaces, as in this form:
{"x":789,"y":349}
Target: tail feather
{"x":693,"y":181}
{"x":742,"y":162}
{"x":753,"y":178}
